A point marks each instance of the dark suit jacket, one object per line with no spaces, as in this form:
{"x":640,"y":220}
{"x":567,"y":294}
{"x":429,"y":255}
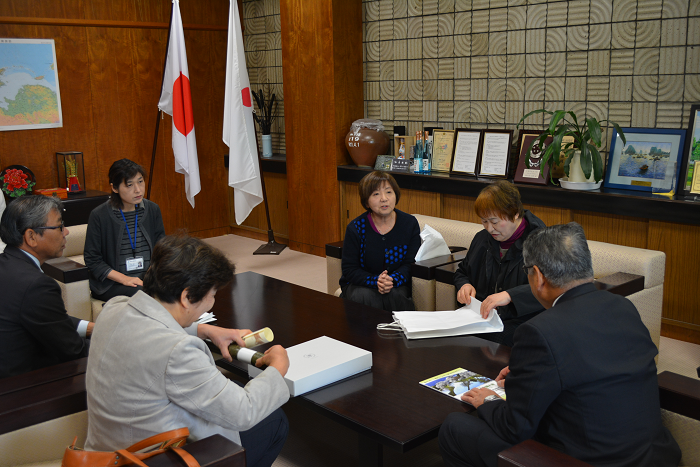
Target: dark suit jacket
{"x":583,"y":380}
{"x":35,"y":330}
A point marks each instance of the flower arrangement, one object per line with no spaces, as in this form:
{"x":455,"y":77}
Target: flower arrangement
{"x":16,"y":183}
{"x":267,"y":111}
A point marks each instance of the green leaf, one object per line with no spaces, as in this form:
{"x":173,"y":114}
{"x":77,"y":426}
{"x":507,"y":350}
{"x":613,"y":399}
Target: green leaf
{"x":556,"y":117}
{"x":595,"y":133}
{"x":567,"y":162}
{"x":573,"y":117}
{"x":586,"y":164}
{"x":620,"y":132}
{"x":556,"y":148}
{"x":539,"y":111}
{"x":597,"y":163}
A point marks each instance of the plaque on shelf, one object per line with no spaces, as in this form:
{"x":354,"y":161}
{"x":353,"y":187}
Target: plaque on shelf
{"x":400,"y":165}
{"x":383,"y":163}
{"x":443,"y":145}
{"x":528,"y":171}
{"x":466,"y":151}
{"x":495,"y":153}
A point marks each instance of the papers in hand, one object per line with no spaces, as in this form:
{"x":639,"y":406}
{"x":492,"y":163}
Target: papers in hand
{"x":206,"y":318}
{"x":465,"y":320}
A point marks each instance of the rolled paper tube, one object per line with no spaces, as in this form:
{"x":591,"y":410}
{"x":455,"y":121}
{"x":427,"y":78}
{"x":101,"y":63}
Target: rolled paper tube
{"x":244,"y":355}
{"x":263,"y":336}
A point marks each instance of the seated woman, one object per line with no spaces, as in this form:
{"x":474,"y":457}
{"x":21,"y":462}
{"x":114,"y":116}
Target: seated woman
{"x":493,"y":268}
{"x":149,"y":370}
{"x":379,"y":248}
{"x":121,"y":234}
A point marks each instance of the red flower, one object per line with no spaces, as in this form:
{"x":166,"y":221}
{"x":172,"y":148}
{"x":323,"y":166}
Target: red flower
{"x":15,"y":178}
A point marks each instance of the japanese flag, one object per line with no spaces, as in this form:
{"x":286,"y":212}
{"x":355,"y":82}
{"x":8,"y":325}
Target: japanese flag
{"x":176,"y":100}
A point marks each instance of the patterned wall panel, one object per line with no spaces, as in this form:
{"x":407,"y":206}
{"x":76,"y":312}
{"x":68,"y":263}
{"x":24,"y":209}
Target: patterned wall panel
{"x":263,"y":51}
{"x":484,"y":63}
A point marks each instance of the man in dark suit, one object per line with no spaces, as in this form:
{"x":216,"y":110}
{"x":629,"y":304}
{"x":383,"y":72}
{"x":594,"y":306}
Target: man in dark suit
{"x":581,"y":379}
{"x":35,"y":330}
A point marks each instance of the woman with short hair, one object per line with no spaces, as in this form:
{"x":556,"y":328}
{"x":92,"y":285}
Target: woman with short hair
{"x":121,"y":234}
{"x":493,"y":268}
{"x":150,"y":371}
{"x":379,"y":247}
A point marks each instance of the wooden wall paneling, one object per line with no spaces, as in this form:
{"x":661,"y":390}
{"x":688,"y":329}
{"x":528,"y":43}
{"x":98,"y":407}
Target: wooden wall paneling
{"x":550,"y":216}
{"x":322,"y":57}
{"x":131,"y":10}
{"x":680,"y":243}
{"x":420,"y":202}
{"x":459,"y":208}
{"x":276,"y":188}
{"x":42,"y":9}
{"x":609,"y":228}
{"x":353,"y":207}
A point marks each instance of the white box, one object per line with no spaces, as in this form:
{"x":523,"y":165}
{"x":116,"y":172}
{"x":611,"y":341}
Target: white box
{"x":320,"y":362}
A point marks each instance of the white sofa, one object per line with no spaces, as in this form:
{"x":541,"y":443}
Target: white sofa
{"x":430,"y":295}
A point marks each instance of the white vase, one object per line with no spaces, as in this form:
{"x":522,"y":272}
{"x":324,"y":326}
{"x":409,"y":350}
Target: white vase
{"x":575,"y":171}
{"x":267,"y":145}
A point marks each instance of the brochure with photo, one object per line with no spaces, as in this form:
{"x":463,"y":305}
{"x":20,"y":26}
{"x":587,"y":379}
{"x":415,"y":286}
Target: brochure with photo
{"x":456,"y":382}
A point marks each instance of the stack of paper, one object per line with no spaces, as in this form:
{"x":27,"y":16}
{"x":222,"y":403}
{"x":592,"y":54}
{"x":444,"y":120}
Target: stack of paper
{"x":206,"y":318}
{"x":465,"y":320}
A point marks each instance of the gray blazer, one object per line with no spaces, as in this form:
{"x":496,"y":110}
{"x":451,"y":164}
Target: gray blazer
{"x":146,"y":374}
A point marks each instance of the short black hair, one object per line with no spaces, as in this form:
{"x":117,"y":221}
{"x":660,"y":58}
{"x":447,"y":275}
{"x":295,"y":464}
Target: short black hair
{"x":24,"y":213}
{"x":180,"y":262}
{"x":120,"y":172}
{"x":374,"y":181}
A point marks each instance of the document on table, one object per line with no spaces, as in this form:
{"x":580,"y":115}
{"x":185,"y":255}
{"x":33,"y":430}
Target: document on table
{"x":465,"y":320}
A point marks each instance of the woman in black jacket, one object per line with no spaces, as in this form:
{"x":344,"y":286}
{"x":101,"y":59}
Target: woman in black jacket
{"x":493,"y":268}
{"x":121,"y":234}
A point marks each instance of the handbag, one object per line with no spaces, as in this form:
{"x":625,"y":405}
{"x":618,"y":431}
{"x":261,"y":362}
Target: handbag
{"x":169,"y":440}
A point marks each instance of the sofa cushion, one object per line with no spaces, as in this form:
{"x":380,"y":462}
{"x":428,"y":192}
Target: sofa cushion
{"x":455,"y":233}
{"x":75,"y":241}
{"x":609,"y":259}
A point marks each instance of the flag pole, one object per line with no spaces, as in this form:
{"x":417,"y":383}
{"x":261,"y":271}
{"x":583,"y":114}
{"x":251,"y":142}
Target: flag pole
{"x":271,"y":247}
{"x":158,"y":114}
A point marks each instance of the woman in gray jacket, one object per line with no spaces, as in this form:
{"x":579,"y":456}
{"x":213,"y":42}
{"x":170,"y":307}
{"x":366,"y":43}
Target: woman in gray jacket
{"x":121,"y":234}
{"x":149,"y":370}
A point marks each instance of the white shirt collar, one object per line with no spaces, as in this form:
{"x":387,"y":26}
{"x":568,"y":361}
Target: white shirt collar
{"x":34,"y":258}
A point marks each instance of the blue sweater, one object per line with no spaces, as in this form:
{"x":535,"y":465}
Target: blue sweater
{"x":366,"y":253}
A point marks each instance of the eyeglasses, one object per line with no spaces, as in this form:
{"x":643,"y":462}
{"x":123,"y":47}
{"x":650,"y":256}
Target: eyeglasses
{"x":50,"y":228}
{"x":526,"y":268}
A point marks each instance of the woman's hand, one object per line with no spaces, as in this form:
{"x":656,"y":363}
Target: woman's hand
{"x":465,"y":294}
{"x":275,"y":356}
{"x":385,"y":283}
{"x":493,"y":301}
{"x":132,"y":281}
{"x":222,"y":337}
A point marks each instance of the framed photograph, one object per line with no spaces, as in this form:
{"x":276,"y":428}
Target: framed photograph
{"x":689,"y":180}
{"x":529,"y":171}
{"x":443,"y":147}
{"x":643,"y":160}
{"x":466,"y":152}
{"x":495,"y":153}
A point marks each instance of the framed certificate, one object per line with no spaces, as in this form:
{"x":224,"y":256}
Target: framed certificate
{"x":528,"y":171}
{"x":443,"y":145}
{"x":495,"y":153}
{"x":466,"y":151}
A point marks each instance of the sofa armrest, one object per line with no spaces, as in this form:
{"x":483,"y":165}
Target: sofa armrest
{"x":213,"y":451}
{"x":426,"y":269}
{"x":530,"y":453}
{"x":66,"y":270}
{"x":335,"y":249}
{"x":679,"y":394}
{"x":621,"y":283}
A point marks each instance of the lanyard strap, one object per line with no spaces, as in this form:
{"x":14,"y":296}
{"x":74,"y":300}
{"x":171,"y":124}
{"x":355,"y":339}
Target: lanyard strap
{"x":136,"y":228}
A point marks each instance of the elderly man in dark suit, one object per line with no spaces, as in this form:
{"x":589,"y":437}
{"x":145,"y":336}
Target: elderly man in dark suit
{"x":35,"y":330}
{"x":581,"y":379}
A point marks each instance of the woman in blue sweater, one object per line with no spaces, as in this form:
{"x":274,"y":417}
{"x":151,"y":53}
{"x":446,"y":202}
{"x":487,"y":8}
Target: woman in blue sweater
{"x":379,"y":248}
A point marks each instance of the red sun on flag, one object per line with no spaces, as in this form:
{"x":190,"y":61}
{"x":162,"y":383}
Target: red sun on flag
{"x":182,"y":105}
{"x":245,"y":93}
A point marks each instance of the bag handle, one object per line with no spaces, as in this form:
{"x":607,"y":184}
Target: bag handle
{"x":165,"y":439}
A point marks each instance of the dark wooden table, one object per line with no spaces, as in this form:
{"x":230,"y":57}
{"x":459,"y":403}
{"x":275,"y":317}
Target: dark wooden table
{"x":386,"y":406}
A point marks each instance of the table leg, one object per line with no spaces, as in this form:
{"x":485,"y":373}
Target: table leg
{"x":371,"y":452}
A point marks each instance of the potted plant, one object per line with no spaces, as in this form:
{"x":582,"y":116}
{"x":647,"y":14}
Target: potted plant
{"x":265,"y":116}
{"x":582,"y":161}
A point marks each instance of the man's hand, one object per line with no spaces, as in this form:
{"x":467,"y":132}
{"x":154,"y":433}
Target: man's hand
{"x":465,"y":294}
{"x":476,"y":396}
{"x":501,"y":378}
{"x":222,"y":337}
{"x":275,"y":356}
{"x":88,"y":331}
{"x":385,"y":283}
{"x":493,"y":301}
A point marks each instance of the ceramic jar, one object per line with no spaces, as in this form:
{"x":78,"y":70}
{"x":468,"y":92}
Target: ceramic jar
{"x":365,"y":142}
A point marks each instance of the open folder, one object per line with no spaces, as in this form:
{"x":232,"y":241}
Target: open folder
{"x":465,"y":320}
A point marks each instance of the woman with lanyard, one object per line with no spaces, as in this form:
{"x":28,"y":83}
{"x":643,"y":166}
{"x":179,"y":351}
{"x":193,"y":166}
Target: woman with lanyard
{"x":121,"y":234}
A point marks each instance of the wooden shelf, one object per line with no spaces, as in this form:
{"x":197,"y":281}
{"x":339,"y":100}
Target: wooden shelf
{"x":607,"y":201}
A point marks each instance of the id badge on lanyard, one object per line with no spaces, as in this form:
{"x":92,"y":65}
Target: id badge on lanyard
{"x":135,"y":263}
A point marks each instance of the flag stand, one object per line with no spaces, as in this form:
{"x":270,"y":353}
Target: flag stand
{"x":271,"y":247}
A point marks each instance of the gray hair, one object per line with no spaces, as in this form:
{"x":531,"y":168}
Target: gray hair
{"x":27,"y":212}
{"x":561,"y":253}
